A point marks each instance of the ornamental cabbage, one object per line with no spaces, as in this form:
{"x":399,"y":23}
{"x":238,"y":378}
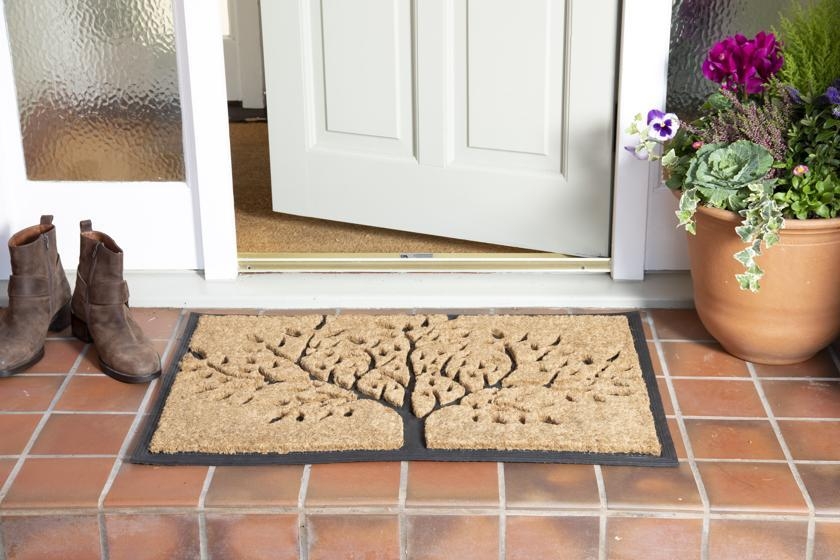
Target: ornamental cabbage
{"x":720,"y":172}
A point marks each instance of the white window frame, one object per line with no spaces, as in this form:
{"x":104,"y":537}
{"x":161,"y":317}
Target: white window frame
{"x":644,"y":48}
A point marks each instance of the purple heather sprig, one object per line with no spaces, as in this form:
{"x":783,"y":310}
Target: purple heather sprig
{"x":741,"y":64}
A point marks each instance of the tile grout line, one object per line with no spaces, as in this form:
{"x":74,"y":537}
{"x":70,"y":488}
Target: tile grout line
{"x":809,"y":549}
{"x":764,"y":418}
{"x":748,"y":378}
{"x":401,"y":505}
{"x":431,"y":511}
{"x":689,"y":450}
{"x":138,"y":419}
{"x":303,"y":533}
{"x":104,"y":551}
{"x":100,"y":503}
{"x":202,"y":517}
{"x":41,"y":423}
{"x":500,"y":473}
{"x":602,"y":513}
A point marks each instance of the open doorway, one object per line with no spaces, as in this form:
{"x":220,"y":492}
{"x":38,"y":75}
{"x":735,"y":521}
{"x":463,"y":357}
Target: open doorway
{"x":265,"y":235}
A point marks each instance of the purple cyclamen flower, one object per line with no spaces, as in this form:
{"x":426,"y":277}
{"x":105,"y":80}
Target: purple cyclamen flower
{"x":663,"y":126}
{"x":738,"y":62}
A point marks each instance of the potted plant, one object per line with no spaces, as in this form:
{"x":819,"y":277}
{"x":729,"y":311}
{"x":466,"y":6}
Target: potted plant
{"x":758,"y":176}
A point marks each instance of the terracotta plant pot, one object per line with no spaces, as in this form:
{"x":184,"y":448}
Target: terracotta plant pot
{"x":797,"y":311}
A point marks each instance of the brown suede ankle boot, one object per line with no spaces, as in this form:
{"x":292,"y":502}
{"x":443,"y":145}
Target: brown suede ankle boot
{"x":101,"y":314}
{"x":39,"y":297}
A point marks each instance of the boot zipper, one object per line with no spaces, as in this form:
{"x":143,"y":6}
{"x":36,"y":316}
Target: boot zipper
{"x":50,"y":266}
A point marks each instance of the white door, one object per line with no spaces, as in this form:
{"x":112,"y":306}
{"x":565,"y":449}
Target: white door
{"x":488,"y":120}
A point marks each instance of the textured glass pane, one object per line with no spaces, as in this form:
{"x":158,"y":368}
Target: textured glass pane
{"x":97,"y":89}
{"x":696,"y":25}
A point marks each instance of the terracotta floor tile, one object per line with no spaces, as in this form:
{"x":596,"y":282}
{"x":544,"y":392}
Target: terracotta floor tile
{"x":90,"y":363}
{"x":450,"y":536}
{"x":646,"y":488}
{"x":803,"y":399}
{"x":654,"y":359}
{"x":57,"y":483}
{"x":270,"y":485}
{"x":823,"y":484}
{"x":101,"y":393}
{"x":826,"y":541}
{"x":22,"y":393}
{"x":821,"y":365}
{"x":362,"y":484}
{"x":653,"y":539}
{"x":558,"y":538}
{"x":146,"y":485}
{"x":69,"y":537}
{"x":702,"y":359}
{"x":59,"y":356}
{"x":15,"y":431}
{"x":372,"y":537}
{"x":712,"y":397}
{"x":665,"y":395}
{"x":157,"y":323}
{"x":757,"y":540}
{"x":82,"y":434}
{"x":452,"y":484}
{"x":676,"y":437}
{"x":756,"y":487}
{"x":812,"y":441}
{"x":680,"y":324}
{"x":733,"y":439}
{"x":6,"y":466}
{"x":252,"y":537}
{"x":152,"y":537}
{"x":535,"y":485}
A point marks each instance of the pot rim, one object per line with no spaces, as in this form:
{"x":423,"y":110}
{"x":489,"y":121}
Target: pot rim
{"x":790,"y":223}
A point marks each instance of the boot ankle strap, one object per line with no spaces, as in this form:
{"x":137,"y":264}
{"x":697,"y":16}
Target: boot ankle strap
{"x":108,"y":293}
{"x":28,"y":286}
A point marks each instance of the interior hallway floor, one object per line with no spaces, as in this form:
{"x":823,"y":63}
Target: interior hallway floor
{"x":759,"y":475}
{"x":260,"y":230}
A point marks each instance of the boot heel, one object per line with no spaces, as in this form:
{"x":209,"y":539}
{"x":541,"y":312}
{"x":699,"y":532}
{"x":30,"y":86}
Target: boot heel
{"x":80,"y":330}
{"x":61,"y":320}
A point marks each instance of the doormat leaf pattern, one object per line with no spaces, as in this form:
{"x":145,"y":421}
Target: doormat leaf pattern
{"x":352,"y":387}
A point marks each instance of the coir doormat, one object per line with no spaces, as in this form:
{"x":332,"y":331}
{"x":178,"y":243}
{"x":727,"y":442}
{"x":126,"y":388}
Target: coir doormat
{"x":361,"y":387}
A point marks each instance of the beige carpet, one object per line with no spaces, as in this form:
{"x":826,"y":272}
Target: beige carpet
{"x":309,"y":383}
{"x":259,"y":230}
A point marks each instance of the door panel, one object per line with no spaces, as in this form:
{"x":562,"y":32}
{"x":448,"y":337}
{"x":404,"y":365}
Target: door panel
{"x":488,"y":120}
{"x":361,"y":61}
{"x":500,"y":35}
{"x":508,"y":82}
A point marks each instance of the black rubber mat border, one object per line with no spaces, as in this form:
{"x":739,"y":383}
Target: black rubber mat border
{"x":414,"y":448}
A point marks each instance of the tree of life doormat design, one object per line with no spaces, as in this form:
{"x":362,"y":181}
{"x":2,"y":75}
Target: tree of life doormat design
{"x":349,"y":387}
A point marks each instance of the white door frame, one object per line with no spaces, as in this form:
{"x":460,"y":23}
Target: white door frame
{"x":644,"y":48}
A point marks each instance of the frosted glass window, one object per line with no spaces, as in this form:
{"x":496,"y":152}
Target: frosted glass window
{"x":97,"y":89}
{"x":696,"y":25}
